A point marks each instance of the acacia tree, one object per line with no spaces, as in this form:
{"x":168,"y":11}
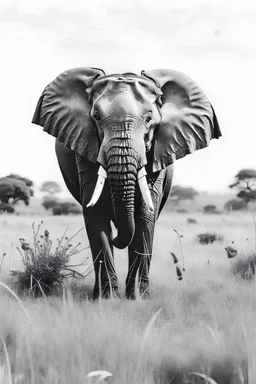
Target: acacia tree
{"x":28,"y":182}
{"x":234,"y":205}
{"x":51,"y":187}
{"x":180,"y":193}
{"x":4,"y":207}
{"x":245,"y":183}
{"x":14,"y":188}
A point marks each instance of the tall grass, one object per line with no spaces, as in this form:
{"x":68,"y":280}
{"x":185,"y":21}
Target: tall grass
{"x":197,"y":330}
{"x":193,"y":328}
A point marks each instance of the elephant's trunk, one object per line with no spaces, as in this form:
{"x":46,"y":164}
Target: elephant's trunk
{"x":122,"y":167}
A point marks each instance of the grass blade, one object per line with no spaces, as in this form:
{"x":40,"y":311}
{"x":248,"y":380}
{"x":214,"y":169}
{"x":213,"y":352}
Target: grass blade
{"x":205,"y":377}
{"x":146,"y":336}
{"x":18,"y":300}
{"x":8,"y":364}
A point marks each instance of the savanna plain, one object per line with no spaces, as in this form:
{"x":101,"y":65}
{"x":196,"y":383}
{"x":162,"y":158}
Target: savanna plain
{"x":200,"y":329}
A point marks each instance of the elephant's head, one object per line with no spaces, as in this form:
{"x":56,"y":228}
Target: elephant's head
{"x":115,"y":120}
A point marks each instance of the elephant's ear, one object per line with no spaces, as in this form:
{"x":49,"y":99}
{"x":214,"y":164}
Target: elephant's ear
{"x":188,"y":119}
{"x":63,"y":111}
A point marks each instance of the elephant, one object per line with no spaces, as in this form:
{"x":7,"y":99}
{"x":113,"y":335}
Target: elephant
{"x":117,"y":137}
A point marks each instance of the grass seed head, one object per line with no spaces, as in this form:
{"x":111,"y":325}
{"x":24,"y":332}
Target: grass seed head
{"x":179,"y":273}
{"x":25,"y":246}
{"x":231,"y":252}
{"x":175,"y":258}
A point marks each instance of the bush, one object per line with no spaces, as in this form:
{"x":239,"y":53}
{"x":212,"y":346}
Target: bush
{"x":209,"y":238}
{"x":49,"y":202}
{"x":66,"y":208}
{"x":211,"y":209}
{"x":5,"y":207}
{"x":191,"y":221}
{"x":181,"y":210}
{"x":244,"y":265}
{"x":44,"y":268}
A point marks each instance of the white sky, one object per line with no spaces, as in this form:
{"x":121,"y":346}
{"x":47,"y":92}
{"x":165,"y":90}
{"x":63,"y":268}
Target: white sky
{"x":40,"y":39}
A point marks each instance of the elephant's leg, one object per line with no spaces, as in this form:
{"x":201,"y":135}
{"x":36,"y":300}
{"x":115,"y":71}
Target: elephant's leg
{"x":140,"y":250}
{"x":99,"y":233}
{"x":97,"y":221}
{"x":139,"y":254}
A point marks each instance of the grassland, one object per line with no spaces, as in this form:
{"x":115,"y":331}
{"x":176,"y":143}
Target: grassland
{"x":204,"y":323}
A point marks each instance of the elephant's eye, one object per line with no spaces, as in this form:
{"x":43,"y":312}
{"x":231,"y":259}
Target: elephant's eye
{"x":148,"y":119}
{"x":96,"y":115}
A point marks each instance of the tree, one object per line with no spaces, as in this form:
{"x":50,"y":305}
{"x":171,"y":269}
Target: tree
{"x":51,"y":187}
{"x":13,"y":188}
{"x":180,"y":193}
{"x":235,"y":205}
{"x":28,"y":182}
{"x":245,"y":183}
{"x":4,"y":207}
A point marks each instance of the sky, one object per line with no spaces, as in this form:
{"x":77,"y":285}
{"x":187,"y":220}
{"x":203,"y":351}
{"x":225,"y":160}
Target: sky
{"x":211,"y":41}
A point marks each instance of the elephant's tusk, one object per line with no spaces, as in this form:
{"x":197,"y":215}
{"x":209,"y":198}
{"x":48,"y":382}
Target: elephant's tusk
{"x":145,"y":189}
{"x":142,"y":172}
{"x":102,"y":175}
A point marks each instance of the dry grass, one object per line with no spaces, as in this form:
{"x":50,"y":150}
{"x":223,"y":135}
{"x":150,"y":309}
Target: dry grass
{"x":204,"y":323}
{"x":244,"y":265}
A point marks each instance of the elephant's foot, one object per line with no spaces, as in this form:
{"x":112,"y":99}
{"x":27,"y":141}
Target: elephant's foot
{"x":111,"y":294}
{"x":130,"y":294}
{"x":142,"y":291}
{"x":106,"y":293}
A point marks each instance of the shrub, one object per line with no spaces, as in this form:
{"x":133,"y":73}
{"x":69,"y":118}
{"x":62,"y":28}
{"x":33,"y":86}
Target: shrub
{"x":191,"y":220}
{"x":45,"y":268}
{"x":209,"y":238}
{"x":211,"y":209}
{"x":49,"y":202}
{"x":244,"y":265}
{"x":181,"y":210}
{"x":66,"y":208}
